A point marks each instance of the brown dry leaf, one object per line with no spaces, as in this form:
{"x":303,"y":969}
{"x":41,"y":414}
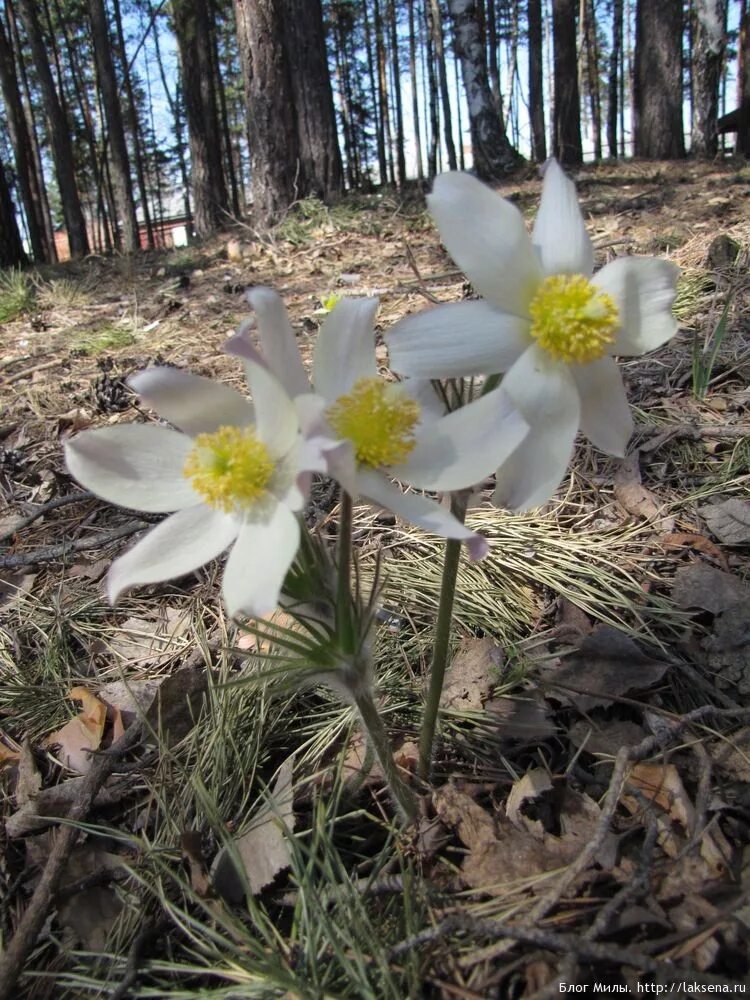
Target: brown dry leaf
{"x":14,"y":586}
{"x":29,"y":779}
{"x":728,"y":649}
{"x":89,"y":569}
{"x":729,"y":521}
{"x":177,"y":704}
{"x":688,"y":539}
{"x":90,"y":915}
{"x":498,"y":852}
{"x":533,"y":784}
{"x":192,"y":851}
{"x":471,"y":675}
{"x":144,"y":641}
{"x":702,"y":586}
{"x":83,"y":733}
{"x":264,"y":849}
{"x":731,"y":755}
{"x":128,"y":700}
{"x":606,"y":666}
{"x":8,"y":756}
{"x":521,"y":718}
{"x":630,"y":491}
{"x":261,"y":647}
{"x":661,"y":786}
{"x":571,"y":621}
{"x":613,"y":734}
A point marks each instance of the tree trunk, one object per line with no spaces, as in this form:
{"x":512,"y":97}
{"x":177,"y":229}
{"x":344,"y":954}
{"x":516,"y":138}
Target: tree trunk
{"x":321,"y":172}
{"x":613,"y":82}
{"x":743,"y":85}
{"x":592,"y":76}
{"x":436,"y":30}
{"x":432,"y":154}
{"x":230,"y":176}
{"x":494,"y":157}
{"x":567,"y":111}
{"x":28,"y":180}
{"x":709,"y":45}
{"x":536,"y":82}
{"x":192,"y":29}
{"x":494,"y":69}
{"x":11,"y":248}
{"x":123,"y":187}
{"x":414,"y":91}
{"x":658,"y":80}
{"x":396,"y":71}
{"x":131,"y":113}
{"x":174,"y":107}
{"x":62,"y":148}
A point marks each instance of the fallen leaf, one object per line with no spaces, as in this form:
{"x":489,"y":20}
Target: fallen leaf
{"x":661,"y":786}
{"x":607,"y":738}
{"x":571,"y":621}
{"x":606,"y":666}
{"x":526,"y":789}
{"x":90,"y":914}
{"x":29,"y":779}
{"x":729,"y":521}
{"x":261,"y":646}
{"x":731,"y":755}
{"x":498,"y":852}
{"x":728,"y":649}
{"x":688,"y":539}
{"x":82,"y":734}
{"x":521,"y":718}
{"x":8,"y":756}
{"x":177,"y":704}
{"x":471,"y":675}
{"x":143,"y":641}
{"x":264,"y":849}
{"x":131,"y":698}
{"x":192,"y":851}
{"x":630,"y":491}
{"x":14,"y":586}
{"x":702,"y":586}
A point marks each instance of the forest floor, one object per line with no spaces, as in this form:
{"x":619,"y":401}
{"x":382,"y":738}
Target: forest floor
{"x":589,"y":820}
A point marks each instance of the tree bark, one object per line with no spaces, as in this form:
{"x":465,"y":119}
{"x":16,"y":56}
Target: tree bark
{"x":62,"y":148}
{"x":536,"y":82}
{"x":743,"y":85}
{"x":709,"y":45}
{"x":494,"y":157}
{"x":321,"y":171}
{"x":429,"y":53}
{"x":592,"y":75}
{"x":658,"y":80}
{"x":435,"y":21}
{"x":192,"y":29}
{"x":567,"y":111}
{"x":396,"y":72}
{"x":123,"y":186}
{"x":613,"y":82}
{"x":29,"y":182}
{"x":11,"y":248}
{"x":414,"y":91}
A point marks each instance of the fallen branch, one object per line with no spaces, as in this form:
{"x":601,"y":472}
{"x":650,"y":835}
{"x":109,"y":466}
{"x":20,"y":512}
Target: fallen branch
{"x":52,"y":552}
{"x":45,"y":508}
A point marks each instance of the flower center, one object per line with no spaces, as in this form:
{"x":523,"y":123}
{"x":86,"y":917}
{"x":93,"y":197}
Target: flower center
{"x":229,"y":468}
{"x":378,"y":419}
{"x":572,"y":319}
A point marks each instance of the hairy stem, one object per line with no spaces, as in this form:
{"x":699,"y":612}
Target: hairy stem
{"x":459,"y":502}
{"x":377,"y":737}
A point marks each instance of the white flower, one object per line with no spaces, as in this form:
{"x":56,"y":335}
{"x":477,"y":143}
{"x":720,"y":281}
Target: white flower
{"x":387,"y":430}
{"x":234,"y":476}
{"x":544,"y":319}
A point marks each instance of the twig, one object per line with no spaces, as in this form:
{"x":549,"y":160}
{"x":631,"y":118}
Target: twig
{"x":45,"y":508}
{"x":50,"y":552}
{"x":625,"y":757}
{"x":22,"y":943}
{"x":411,"y":260}
{"x":31,"y":371}
{"x":564,"y":943}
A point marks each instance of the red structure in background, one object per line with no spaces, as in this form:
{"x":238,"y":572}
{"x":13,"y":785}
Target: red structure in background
{"x":168,"y":233}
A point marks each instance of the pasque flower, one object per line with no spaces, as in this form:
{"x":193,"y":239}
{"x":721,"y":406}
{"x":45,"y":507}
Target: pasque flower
{"x":386,"y":430}
{"x":545,"y":319}
{"x":233,"y":474}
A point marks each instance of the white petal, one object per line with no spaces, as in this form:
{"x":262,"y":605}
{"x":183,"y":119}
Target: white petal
{"x":487,"y":238}
{"x":278,"y":340}
{"x":423,"y":392}
{"x":426,"y":514}
{"x":559,"y":234}
{"x":177,"y":546}
{"x":259,"y":561}
{"x":461,"y":338}
{"x":547,"y":396}
{"x":195,"y":404}
{"x":275,"y":413}
{"x":311,"y":413}
{"x":137,"y":466}
{"x":345,"y":351}
{"x":605,"y":413}
{"x":644,"y":289}
{"x":461,"y":449}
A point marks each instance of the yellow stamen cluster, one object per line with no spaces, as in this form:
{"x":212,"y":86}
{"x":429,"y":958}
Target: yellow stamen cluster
{"x":378,"y":419}
{"x":572,"y":319}
{"x":229,"y":468}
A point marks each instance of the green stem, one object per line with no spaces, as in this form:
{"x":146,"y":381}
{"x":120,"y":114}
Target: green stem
{"x":378,"y":739}
{"x":343,"y":591}
{"x":441,"y":648}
